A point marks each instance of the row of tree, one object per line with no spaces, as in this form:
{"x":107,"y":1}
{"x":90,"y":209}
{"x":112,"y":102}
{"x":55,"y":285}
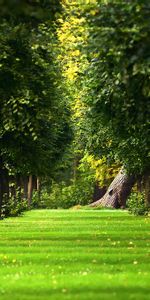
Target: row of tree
{"x":34,"y":128}
{"x":106,"y":65}
{"x":81,"y":66}
{"x":118,"y":83}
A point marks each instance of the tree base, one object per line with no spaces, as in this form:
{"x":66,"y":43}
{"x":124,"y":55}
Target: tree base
{"x":118,"y":191}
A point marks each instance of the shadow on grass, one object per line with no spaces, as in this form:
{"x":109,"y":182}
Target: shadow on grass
{"x":84,"y":292}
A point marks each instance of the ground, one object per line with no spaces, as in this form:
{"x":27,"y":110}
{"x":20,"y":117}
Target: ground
{"x":65,"y":254}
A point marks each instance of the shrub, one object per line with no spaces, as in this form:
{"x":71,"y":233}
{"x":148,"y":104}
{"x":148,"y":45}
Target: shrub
{"x":136,"y":204}
{"x":78,"y":193}
{"x":35,"y":200}
{"x":42,"y":201}
{"x":14,"y":206}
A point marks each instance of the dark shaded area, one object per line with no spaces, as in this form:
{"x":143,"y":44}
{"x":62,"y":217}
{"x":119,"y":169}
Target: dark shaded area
{"x":29,"y":10}
{"x":99,"y":192}
{"x":121,"y":292}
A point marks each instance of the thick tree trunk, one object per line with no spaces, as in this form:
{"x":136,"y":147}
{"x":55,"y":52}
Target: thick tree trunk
{"x":117,"y":193}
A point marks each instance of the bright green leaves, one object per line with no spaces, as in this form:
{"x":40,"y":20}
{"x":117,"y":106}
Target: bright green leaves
{"x":118,"y":78}
{"x":101,"y":172}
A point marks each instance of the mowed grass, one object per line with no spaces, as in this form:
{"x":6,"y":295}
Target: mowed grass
{"x":65,"y":254}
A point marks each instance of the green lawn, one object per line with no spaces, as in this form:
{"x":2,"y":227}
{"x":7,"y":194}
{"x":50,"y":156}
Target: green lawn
{"x":66,"y":254}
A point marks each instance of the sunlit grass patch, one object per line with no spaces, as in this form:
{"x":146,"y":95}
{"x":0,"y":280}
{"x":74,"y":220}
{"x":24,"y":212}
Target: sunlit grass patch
{"x":53,"y":254}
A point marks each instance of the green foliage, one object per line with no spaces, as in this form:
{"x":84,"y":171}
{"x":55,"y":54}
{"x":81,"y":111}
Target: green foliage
{"x":72,"y":36}
{"x":40,"y":201}
{"x":31,"y":12}
{"x":118,"y":81}
{"x":103,"y":172}
{"x":34,"y":129}
{"x":34,"y":114}
{"x":136,"y":204}
{"x":80,"y":192}
{"x":14,"y":206}
{"x":30,"y":101}
{"x":36,"y":203}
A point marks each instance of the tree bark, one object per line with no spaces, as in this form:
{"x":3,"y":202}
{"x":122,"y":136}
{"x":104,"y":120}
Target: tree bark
{"x":18,"y":187}
{"x":30,"y":190}
{"x":1,"y":187}
{"x":4,"y":186}
{"x":146,"y":184}
{"x":118,"y":191}
{"x":25,"y":186}
{"x":12,"y":187}
{"x":39,"y":188}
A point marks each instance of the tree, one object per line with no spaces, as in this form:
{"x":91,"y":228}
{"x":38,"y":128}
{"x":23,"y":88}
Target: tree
{"x":118,"y":82}
{"x":118,"y":191}
{"x":34,"y":115}
{"x":72,"y":34}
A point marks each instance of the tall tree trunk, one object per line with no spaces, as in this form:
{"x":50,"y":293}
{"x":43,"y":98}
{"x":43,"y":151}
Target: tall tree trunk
{"x":5,"y":183}
{"x":39,"y":188}
{"x":34,"y":182}
{"x":146,"y":184}
{"x":118,"y":191}
{"x":18,"y":187}
{"x":139,"y":184}
{"x":12,"y":187}
{"x":1,"y":187}
{"x":4,"y":186}
{"x":24,"y":180}
{"x":30,"y":190}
